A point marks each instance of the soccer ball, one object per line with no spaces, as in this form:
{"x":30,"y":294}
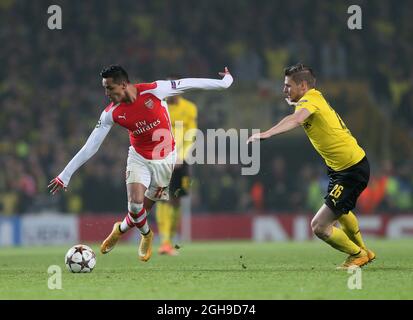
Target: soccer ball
{"x":80,"y":258}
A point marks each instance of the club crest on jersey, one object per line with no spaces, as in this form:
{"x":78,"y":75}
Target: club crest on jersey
{"x":307,"y":125}
{"x":123,"y":116}
{"x":149,"y":103}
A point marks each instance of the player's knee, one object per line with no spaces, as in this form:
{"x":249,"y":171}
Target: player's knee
{"x":319,"y":229}
{"x":135,"y":207}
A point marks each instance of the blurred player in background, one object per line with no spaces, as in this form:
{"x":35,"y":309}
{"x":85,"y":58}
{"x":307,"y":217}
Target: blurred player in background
{"x":141,"y":108}
{"x":347,"y":164}
{"x":183,"y":115}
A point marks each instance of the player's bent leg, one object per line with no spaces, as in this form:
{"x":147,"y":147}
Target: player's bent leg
{"x":323,"y":227}
{"x":109,"y":243}
{"x":136,"y":209}
{"x":145,"y":245}
{"x":140,"y":221}
{"x":131,"y":220}
{"x":138,"y":204}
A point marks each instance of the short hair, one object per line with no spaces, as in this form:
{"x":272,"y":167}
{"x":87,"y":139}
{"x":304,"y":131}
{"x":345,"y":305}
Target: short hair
{"x":299,"y":73}
{"x":117,"y":73}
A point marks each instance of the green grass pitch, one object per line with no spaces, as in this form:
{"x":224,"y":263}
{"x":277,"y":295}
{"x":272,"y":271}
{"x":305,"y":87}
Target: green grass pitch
{"x":212,"y":270}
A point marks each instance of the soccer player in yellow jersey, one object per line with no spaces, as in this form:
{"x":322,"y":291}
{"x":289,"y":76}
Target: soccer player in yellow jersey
{"x":347,"y":166}
{"x":183,"y":114}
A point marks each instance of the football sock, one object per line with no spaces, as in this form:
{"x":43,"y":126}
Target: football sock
{"x":350,"y":226}
{"x":164,"y":217}
{"x":340,"y":241}
{"x":135,"y":219}
{"x":126,"y":225}
{"x":169,"y":211}
{"x":160,"y":220}
{"x":176,"y":216}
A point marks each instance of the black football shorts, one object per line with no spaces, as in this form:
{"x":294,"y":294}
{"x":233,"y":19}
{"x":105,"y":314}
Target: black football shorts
{"x":345,"y":186}
{"x":180,"y":181}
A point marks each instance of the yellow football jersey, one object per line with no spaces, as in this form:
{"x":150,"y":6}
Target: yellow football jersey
{"x":185,"y":112}
{"x":328,"y":133}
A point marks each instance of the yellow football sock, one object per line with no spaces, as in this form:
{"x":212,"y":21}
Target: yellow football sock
{"x":168,"y":223}
{"x":163,"y":218}
{"x":340,"y":241}
{"x":159,"y":218}
{"x":176,"y":216}
{"x":350,"y":226}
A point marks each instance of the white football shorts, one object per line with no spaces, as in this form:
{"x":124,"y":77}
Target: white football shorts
{"x":155,"y":175}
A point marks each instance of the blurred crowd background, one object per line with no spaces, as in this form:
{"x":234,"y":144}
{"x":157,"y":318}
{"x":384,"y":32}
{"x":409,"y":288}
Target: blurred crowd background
{"x":51,"y":96}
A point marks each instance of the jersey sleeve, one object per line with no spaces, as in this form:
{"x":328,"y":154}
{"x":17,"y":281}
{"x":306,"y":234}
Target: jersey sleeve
{"x":307,"y":105}
{"x":169,"y":88}
{"x":91,"y":146}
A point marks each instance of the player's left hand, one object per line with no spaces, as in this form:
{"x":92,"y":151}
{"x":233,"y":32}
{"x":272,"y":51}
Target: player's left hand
{"x":55,"y":185}
{"x":226,"y":71}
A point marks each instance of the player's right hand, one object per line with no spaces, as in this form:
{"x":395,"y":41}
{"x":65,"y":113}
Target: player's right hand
{"x":55,"y":185}
{"x":257,"y":137}
{"x":223,"y":74}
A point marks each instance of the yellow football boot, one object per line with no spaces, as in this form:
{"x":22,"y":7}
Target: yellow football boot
{"x":112,"y":239}
{"x":145,"y":247}
{"x":357,"y":260}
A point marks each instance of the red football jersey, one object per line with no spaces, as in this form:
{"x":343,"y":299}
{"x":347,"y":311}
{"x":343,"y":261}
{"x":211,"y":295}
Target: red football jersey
{"x":147,"y":120}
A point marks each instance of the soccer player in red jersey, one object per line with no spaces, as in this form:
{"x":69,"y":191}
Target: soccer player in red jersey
{"x":142,"y":109}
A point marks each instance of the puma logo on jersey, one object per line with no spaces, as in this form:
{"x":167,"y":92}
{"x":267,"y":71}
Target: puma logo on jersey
{"x":122,"y":117}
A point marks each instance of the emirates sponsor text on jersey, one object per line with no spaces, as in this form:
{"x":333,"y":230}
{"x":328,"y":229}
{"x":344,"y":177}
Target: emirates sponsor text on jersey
{"x":142,"y":127}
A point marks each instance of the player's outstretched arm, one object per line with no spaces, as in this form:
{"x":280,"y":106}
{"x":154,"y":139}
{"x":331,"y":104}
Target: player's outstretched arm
{"x":91,"y":146}
{"x":290,"y":122}
{"x":168,"y":88}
